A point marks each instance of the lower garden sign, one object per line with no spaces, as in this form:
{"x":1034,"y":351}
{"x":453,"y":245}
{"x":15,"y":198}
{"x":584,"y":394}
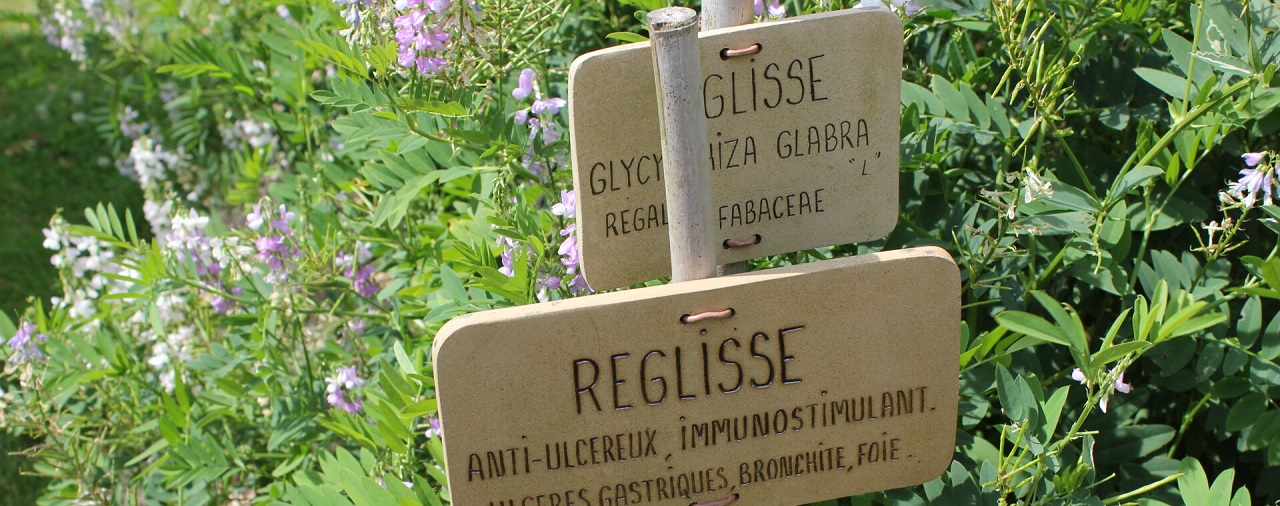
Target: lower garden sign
{"x":785,"y":386}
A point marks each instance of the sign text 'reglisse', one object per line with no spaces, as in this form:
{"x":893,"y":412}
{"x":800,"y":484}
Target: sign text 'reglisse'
{"x":818,"y":385}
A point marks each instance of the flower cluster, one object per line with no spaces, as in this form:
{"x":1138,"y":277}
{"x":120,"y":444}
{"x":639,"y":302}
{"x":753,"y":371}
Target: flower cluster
{"x":175,"y":347}
{"x":63,"y":30}
{"x":148,"y":162}
{"x":91,"y":264}
{"x":343,"y":388}
{"x":421,"y":35}
{"x":1118,"y":386}
{"x":25,"y":348}
{"x":569,"y":252}
{"x":211,"y":255}
{"x":358,"y":268}
{"x":1255,"y":180}
{"x":128,"y":127}
{"x":275,"y":246}
{"x":540,"y":117}
{"x":255,"y":134}
{"x":775,"y":10}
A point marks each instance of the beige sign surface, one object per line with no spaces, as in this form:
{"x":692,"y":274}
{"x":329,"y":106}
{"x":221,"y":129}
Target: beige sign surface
{"x":786,"y":386}
{"x":803,"y":142}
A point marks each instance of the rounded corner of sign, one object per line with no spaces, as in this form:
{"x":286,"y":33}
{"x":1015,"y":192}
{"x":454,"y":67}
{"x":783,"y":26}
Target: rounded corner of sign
{"x":442,"y":336}
{"x":595,"y":284}
{"x":576,"y":66}
{"x":940,"y":461}
{"x":940,"y":257}
{"x":889,"y":16}
{"x":584,"y":62}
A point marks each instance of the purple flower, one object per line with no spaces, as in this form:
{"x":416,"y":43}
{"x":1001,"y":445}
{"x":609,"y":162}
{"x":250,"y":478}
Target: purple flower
{"x":418,"y":38}
{"x":256,"y":218}
{"x":356,"y":326}
{"x":508,"y":246}
{"x":433,"y":428}
{"x":775,"y":11}
{"x":363,"y":281}
{"x":271,"y":250}
{"x":438,"y":6}
{"x":552,"y":283}
{"x":526,"y":84}
{"x":282,"y":223}
{"x":567,"y":206}
{"x":221,"y":304}
{"x":508,"y":265}
{"x":26,"y":350}
{"x":579,"y":285}
{"x":569,"y":248}
{"x":1253,"y":182}
{"x":341,"y":386}
{"x":1252,"y":159}
{"x":547,"y":106}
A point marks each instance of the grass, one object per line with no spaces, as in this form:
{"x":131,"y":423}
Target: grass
{"x":48,"y":161}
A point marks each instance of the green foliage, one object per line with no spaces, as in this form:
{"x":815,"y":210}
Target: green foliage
{"x":260,"y":331}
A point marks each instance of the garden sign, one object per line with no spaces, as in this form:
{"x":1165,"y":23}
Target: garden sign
{"x":799,"y":384}
{"x":784,"y":386}
{"x":802,"y":131}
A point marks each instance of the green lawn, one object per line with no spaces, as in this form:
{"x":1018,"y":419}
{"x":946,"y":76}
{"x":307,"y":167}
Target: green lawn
{"x":50,"y":161}
{"x":47,"y":162}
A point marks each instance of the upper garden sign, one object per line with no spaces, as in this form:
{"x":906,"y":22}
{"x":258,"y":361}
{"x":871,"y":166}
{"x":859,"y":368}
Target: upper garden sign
{"x":803,"y":142}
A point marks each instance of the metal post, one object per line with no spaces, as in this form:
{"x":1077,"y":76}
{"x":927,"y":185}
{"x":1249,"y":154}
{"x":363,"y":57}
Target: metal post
{"x":687,"y":170}
{"x":724,"y":14}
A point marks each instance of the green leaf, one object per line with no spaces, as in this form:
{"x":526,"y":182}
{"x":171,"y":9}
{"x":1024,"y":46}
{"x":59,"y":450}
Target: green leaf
{"x":951,"y":98}
{"x":1131,"y":180}
{"x":1053,"y":410}
{"x":1249,"y":326}
{"x":914,"y":93}
{"x":1242,"y":497}
{"x":1246,"y":411}
{"x":446,"y":109}
{"x":419,"y":408}
{"x":1131,"y":443}
{"x":1193,"y":484}
{"x":1271,"y":340}
{"x":155,"y":447}
{"x":402,"y":358}
{"x":190,"y":70}
{"x":1016,"y":399}
{"x":648,"y":5}
{"x":1071,"y":325}
{"x":627,"y":37}
{"x":1220,"y":492}
{"x":1033,"y":326}
{"x":1271,"y":272}
{"x":1172,"y":85}
{"x":1113,"y":353}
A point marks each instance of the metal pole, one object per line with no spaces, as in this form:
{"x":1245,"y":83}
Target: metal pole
{"x":724,"y":14}
{"x":686,"y":168}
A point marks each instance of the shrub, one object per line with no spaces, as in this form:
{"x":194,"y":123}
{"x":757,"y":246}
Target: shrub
{"x":327,"y":183}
